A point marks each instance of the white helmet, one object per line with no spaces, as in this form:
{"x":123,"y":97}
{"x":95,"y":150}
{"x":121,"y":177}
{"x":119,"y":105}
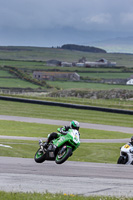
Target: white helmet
{"x":74,"y":125}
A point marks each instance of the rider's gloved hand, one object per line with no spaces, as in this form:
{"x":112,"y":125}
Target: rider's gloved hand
{"x":63,"y":132}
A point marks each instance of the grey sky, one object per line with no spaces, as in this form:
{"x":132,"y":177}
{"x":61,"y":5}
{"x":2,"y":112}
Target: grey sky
{"x":22,"y":21}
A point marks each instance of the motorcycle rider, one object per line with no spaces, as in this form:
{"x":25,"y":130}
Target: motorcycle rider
{"x":63,"y":130}
{"x":131,"y":142}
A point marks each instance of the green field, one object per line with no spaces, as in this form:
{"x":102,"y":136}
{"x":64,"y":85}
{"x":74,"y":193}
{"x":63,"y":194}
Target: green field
{"x":31,"y":58}
{"x":4,"y":73}
{"x":16,"y":83}
{"x":85,"y":85}
{"x":106,"y":75}
{"x":44,"y":54}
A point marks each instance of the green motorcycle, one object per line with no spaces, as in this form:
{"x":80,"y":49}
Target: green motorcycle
{"x":59,"y":149}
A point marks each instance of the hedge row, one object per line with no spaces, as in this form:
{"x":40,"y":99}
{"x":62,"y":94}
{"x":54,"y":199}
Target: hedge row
{"x":24,"y":76}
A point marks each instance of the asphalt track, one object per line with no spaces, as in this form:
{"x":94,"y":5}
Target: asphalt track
{"x":21,"y":174}
{"x":24,"y":175}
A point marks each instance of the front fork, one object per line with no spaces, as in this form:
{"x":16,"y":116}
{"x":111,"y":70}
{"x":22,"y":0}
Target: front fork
{"x":40,"y":142}
{"x":41,"y":146}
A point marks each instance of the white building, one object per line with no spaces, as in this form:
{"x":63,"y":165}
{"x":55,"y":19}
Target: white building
{"x":80,"y":64}
{"x":66,"y":64}
{"x":130,"y":82}
{"x":101,"y":62}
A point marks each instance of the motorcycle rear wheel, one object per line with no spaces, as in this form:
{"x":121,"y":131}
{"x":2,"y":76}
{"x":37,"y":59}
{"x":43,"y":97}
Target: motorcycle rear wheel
{"x":39,"y":156}
{"x":61,"y":158}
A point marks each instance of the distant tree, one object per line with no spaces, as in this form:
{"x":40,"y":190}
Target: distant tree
{"x":83,"y":48}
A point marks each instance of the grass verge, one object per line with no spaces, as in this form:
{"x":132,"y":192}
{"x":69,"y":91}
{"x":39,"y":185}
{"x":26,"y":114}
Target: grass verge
{"x":49,"y":196}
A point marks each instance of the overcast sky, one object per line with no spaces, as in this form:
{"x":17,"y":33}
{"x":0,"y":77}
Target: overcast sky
{"x":55,"y":22}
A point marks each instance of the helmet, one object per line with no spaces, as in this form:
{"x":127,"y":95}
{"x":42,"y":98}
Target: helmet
{"x":74,"y":125}
{"x":132,"y":139}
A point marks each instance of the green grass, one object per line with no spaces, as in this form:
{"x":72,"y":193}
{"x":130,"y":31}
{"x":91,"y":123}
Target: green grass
{"x":4,"y":73}
{"x":57,"y":196}
{"x":17,"y":83}
{"x":21,"y":149}
{"x":87,"y":152}
{"x":42,"y":131}
{"x":97,"y":152}
{"x":22,"y":64}
{"x":85,"y":85}
{"x":106,"y":75}
{"x":107,"y":103}
{"x":61,"y":113}
{"x":30,"y":58}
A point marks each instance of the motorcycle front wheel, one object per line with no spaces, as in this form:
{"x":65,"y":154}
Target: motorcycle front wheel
{"x":121,"y":160}
{"x":40,"y":156}
{"x":61,"y":157}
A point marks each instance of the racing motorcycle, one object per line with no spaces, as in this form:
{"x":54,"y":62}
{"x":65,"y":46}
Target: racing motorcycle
{"x":126,"y":155}
{"x":60,"y":149}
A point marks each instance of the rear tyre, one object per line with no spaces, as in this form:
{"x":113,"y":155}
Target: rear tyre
{"x":40,"y":156}
{"x":62,"y":156}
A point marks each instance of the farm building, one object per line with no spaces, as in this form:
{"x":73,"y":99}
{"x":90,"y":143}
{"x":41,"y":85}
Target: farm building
{"x":80,"y":64}
{"x":130,"y":80}
{"x":66,"y":64}
{"x":101,"y":62}
{"x":83,"y":63}
{"x":41,"y":75}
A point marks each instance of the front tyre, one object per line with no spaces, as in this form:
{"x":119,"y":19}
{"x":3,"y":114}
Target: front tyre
{"x":40,"y":156}
{"x":121,"y":160}
{"x":62,"y":156}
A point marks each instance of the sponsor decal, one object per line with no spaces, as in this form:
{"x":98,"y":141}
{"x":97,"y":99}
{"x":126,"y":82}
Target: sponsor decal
{"x":126,"y":146}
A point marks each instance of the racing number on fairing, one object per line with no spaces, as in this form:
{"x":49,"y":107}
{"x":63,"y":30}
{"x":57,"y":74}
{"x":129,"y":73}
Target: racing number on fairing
{"x":126,"y":146}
